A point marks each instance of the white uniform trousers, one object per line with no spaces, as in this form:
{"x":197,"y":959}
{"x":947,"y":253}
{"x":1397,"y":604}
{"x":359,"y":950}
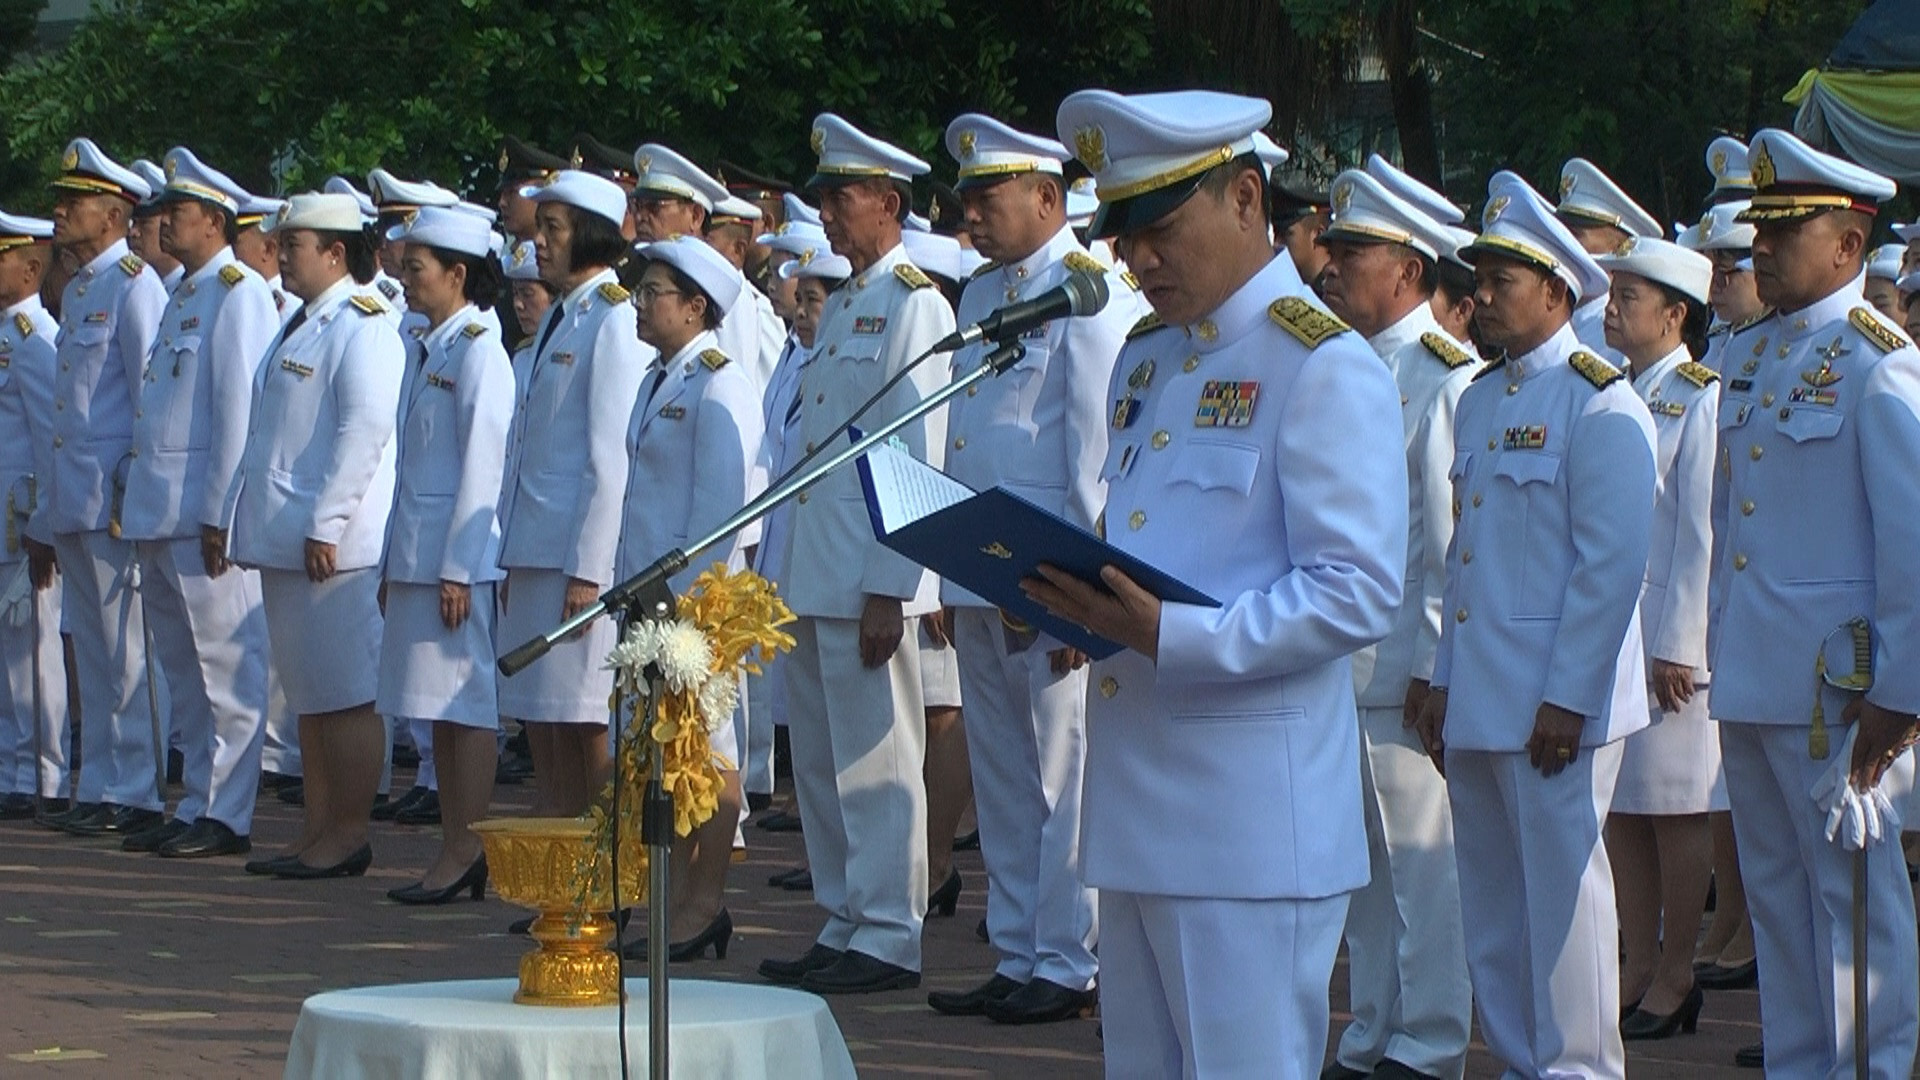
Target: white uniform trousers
{"x":1406,"y":955}
{"x":210,"y":638}
{"x":18,"y":762}
{"x":103,"y":613}
{"x":756,"y":772}
{"x":1800,"y":891}
{"x":859,"y":738}
{"x":1194,"y":987}
{"x":1542,"y":932}
{"x":280,"y":751}
{"x":1027,"y":743}
{"x":420,"y":734}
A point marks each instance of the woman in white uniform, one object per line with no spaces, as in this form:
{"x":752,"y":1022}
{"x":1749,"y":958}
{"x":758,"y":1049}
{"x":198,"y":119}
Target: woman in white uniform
{"x":565,"y":483}
{"x":694,"y":440}
{"x":443,"y":542}
{"x":1658,"y":836}
{"x":314,"y":488}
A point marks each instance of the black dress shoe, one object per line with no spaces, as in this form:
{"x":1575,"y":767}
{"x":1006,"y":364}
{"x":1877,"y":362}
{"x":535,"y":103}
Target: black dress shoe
{"x":779,"y":880}
{"x":1628,"y":1008}
{"x":16,"y":807}
{"x":52,"y":807}
{"x":274,"y":781}
{"x":790,"y":972}
{"x":718,"y":934}
{"x":779,"y":821}
{"x":1751,"y":1057}
{"x":973,"y":1002}
{"x":116,"y":821}
{"x":352,"y":866}
{"x":969,"y":842}
{"x":800,"y":882}
{"x":1042,"y":1002}
{"x":205,"y":840}
{"x":1643,"y":1025}
{"x":271,"y":866}
{"x":150,"y":839}
{"x":406,"y":757}
{"x":758,"y":801}
{"x":521,"y":926}
{"x":293,"y":794}
{"x":1739,"y":977}
{"x":947,"y":897}
{"x":57,"y":819}
{"x":1389,"y":1069}
{"x":858,"y":973}
{"x":387,"y":811}
{"x":474,"y":881}
{"x":1337,"y":1071}
{"x":424,"y":811}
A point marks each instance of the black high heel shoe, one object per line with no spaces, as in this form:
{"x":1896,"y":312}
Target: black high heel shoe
{"x":352,"y":866}
{"x":718,"y":934}
{"x":947,"y":897}
{"x":474,"y":880}
{"x":1644,"y":1025}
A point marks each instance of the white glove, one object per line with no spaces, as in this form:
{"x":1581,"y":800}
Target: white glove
{"x":16,"y":598}
{"x":1855,"y":819}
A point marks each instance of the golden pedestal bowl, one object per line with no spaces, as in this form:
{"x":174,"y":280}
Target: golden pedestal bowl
{"x":532,"y":862}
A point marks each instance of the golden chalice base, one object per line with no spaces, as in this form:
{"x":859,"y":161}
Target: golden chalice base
{"x":531,"y":862}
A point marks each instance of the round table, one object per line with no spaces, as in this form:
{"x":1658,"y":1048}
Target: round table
{"x":462,"y":1030}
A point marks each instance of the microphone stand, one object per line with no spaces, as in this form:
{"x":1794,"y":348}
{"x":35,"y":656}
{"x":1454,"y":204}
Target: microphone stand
{"x":647,"y":595}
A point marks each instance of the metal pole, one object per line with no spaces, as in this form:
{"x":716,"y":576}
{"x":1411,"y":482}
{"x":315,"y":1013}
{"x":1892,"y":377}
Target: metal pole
{"x":659,"y":810}
{"x":1860,"y":1053}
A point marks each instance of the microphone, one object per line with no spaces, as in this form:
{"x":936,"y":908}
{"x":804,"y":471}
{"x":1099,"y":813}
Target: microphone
{"x":1081,"y":294}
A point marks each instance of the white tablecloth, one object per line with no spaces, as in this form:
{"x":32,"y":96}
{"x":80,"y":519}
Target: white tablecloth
{"x":472,"y":1030}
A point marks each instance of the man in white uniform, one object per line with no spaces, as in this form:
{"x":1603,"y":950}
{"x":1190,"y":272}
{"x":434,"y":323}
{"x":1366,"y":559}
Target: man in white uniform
{"x":1406,"y":960}
{"x":856,"y":715}
{"x":1040,"y":431}
{"x":109,"y":318}
{"x":1254,"y":452}
{"x":209,"y":633}
{"x":1553,"y":487}
{"x":1817,"y":519}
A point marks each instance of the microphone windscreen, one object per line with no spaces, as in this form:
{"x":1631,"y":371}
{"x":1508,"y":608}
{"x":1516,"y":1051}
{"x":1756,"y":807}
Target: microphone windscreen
{"x":1086,"y":292}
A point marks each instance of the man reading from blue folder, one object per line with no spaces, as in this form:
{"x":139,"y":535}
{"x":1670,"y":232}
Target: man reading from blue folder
{"x":1255,"y":451}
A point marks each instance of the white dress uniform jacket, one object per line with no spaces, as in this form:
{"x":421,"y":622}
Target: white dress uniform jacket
{"x":27,"y":370}
{"x":886,"y":316}
{"x":752,"y":336}
{"x":191,"y":425}
{"x":110,"y":315}
{"x":319,"y":459}
{"x":1258,"y":462}
{"x":455,"y":407}
{"x":1548,"y":554}
{"x":569,"y":476}
{"x":694,"y":441}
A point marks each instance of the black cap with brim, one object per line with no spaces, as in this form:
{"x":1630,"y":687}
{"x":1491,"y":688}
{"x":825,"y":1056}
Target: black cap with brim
{"x":1132,"y":214}
{"x":521,"y":161}
{"x":749,"y":184}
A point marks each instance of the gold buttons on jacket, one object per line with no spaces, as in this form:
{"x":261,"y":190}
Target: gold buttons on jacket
{"x":1466,"y":556}
{"x":1785,"y":412}
{"x":58,"y":442}
{"x":1739,"y":562}
{"x":1491,"y":443}
{"x":1513,"y":388}
{"x":1476,"y":500}
{"x":1161,"y":439}
{"x":1766,"y":398}
{"x":1191,"y":363}
{"x":1136,"y":519}
{"x":1207,"y":331}
{"x":960,"y":443}
{"x":819,"y":399}
{"x":973,"y":390}
{"x":1746,"y":508}
{"x":1460,"y":616}
{"x":810,"y":448}
{"x":802,"y":498}
{"x":1109,"y":686}
{"x":1756,"y":453}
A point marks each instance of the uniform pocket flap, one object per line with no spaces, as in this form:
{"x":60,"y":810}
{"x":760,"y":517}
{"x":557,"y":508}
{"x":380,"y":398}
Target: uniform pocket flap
{"x":1802,"y":425}
{"x":1528,"y":466}
{"x":1215,"y":465}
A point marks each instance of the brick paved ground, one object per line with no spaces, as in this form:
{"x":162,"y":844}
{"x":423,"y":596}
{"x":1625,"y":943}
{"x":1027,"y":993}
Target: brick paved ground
{"x":134,"y":966}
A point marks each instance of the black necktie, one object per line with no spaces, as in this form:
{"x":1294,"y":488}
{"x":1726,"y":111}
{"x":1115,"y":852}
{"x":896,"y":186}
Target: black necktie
{"x":287,"y":330}
{"x":658,"y":378}
{"x":546,"y":333}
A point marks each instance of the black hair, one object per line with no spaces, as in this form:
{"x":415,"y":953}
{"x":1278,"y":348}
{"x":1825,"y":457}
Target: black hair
{"x":681,"y":280}
{"x":881,"y":185}
{"x":596,"y":241}
{"x":485,"y":280}
{"x":359,"y":246}
{"x":1693,"y":325}
{"x":1452,"y":280}
{"x":229,"y":222}
{"x":1217,"y":179}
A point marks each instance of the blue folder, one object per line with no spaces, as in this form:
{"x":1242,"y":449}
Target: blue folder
{"x":988,"y":541}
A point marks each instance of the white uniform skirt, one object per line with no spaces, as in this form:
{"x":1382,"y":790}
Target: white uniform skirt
{"x":428,"y":672}
{"x":939,"y":671}
{"x":1673,"y":766}
{"x":569,"y":685}
{"x":325,"y":638}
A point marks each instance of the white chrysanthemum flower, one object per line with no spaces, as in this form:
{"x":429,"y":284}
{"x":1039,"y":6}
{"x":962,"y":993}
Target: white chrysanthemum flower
{"x":718,"y":700}
{"x":686,"y":657}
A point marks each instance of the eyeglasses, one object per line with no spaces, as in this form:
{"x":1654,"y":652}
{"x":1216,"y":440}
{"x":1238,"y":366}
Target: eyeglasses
{"x":647,"y":294}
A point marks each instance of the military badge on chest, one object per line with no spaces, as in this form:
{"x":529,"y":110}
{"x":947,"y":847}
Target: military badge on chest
{"x":1127,"y":409}
{"x":1226,"y":403}
{"x":1531,"y":437}
{"x":870,"y":324}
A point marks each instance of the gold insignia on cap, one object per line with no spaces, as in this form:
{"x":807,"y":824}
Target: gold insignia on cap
{"x":1090,"y":146}
{"x":1719,"y":163}
{"x":1304,"y":321}
{"x":819,"y":141}
{"x":645,"y":164}
{"x":1495,"y":207}
{"x":1706,"y":228}
{"x":1595,"y":370}
{"x":1762,"y":166}
{"x":71,"y":159}
{"x":966,"y":141}
{"x":1342,"y":197}
{"x":806,"y":256}
{"x":504,"y":160}
{"x":1566,"y":186}
{"x":1626,"y":246}
{"x":576,"y":160}
{"x":172,"y":168}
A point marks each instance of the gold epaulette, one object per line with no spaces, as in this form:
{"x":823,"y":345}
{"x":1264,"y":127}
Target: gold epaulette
{"x":132,"y":265}
{"x":1082,"y":263}
{"x":367,"y":305}
{"x":1446,"y":351}
{"x":1493,"y":365}
{"x":1131,"y":282}
{"x":231,"y":275}
{"x":1304,"y":321}
{"x":1698,"y":374}
{"x":1595,"y":370}
{"x":983,"y":270}
{"x":1148,"y":324}
{"x":911,"y":274}
{"x":473,"y":329}
{"x":613,"y":293}
{"x":23,"y":324}
{"x":1883,"y":337}
{"x":714,"y":359}
{"x":1747,"y":324}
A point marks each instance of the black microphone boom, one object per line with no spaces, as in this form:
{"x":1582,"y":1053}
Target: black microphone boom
{"x":1081,"y":294}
